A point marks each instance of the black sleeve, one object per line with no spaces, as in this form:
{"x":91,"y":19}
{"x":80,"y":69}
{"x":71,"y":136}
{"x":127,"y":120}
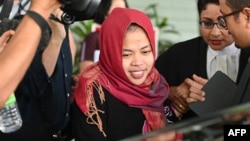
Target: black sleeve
{"x":169,"y":112}
{"x":168,"y":65}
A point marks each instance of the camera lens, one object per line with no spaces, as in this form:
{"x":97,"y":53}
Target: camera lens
{"x":67,"y":19}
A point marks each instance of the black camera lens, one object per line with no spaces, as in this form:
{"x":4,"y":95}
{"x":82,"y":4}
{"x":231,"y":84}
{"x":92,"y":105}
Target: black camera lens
{"x":67,"y":19}
{"x":79,"y":9}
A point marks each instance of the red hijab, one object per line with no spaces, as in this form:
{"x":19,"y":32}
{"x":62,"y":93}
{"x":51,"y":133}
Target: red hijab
{"x":109,"y":73}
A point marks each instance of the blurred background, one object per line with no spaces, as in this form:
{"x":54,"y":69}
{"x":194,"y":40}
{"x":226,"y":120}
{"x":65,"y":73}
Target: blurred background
{"x":182,"y":14}
{"x":174,"y":21}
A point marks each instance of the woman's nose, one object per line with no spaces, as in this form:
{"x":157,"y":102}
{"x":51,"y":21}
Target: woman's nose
{"x":215,"y":31}
{"x":137,"y":60}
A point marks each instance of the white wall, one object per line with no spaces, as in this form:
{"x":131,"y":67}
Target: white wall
{"x":180,"y":13}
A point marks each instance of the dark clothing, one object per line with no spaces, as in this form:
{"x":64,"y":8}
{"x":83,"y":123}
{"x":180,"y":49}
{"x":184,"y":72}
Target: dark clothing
{"x":186,"y":58}
{"x":28,"y":132}
{"x":119,"y":120}
{"x":89,"y":45}
{"x":40,"y":108}
{"x":31,"y":96}
{"x":243,"y":90}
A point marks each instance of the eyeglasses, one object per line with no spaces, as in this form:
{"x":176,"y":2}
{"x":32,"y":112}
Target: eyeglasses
{"x":210,"y":25}
{"x":222,"y":19}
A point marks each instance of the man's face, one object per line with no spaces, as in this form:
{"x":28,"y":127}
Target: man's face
{"x":237,"y":25}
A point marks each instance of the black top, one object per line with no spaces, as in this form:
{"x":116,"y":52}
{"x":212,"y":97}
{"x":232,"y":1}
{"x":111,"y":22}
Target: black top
{"x":186,"y":58}
{"x":242,"y":93}
{"x":32,"y":97}
{"x":119,"y":121}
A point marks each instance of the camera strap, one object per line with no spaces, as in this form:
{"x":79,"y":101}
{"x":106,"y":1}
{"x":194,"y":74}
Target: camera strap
{"x":6,"y":9}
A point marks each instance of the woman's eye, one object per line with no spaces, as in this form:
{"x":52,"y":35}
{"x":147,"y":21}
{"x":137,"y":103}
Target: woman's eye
{"x":208,"y":23}
{"x":126,"y":54}
{"x":147,"y":52}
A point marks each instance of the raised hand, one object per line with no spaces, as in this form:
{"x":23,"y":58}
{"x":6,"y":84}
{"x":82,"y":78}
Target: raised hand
{"x":195,"y":86}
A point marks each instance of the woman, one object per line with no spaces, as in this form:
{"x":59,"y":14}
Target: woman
{"x":203,"y":56}
{"x":121,"y":95}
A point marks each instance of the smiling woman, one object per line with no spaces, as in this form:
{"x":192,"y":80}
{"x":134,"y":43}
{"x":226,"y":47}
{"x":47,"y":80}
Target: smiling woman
{"x":121,"y":95}
{"x":138,"y":57}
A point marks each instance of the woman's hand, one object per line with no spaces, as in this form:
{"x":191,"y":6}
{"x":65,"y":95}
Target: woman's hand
{"x":178,"y":96}
{"x":195,"y":89}
{"x":187,"y":92}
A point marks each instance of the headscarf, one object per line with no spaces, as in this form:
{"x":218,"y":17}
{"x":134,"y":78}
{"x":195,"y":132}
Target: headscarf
{"x":109,"y":74}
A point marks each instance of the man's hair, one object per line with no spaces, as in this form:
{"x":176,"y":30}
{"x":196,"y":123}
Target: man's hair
{"x":11,"y":24}
{"x":202,"y":4}
{"x":237,"y":4}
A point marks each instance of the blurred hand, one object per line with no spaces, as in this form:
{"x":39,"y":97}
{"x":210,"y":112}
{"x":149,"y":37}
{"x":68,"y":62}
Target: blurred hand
{"x":187,"y":92}
{"x":46,"y":4}
{"x":58,"y":30}
{"x":4,"y":38}
{"x":44,"y":7}
{"x":195,"y":86}
{"x":178,"y":96}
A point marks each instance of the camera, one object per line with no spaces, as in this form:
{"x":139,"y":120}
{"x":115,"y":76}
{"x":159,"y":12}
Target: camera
{"x":78,"y":10}
{"x":74,"y":10}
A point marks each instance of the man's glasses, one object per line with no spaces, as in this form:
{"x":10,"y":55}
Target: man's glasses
{"x":210,"y":25}
{"x":222,"y":19}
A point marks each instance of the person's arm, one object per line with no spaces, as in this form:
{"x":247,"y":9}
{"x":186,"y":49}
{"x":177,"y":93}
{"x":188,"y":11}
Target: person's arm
{"x":187,"y":92}
{"x":20,"y":50}
{"x":50,"y":54}
{"x":72,"y":45}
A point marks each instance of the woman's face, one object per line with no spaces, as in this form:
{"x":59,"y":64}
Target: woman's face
{"x":215,"y":37}
{"x":137,"y":56}
{"x":115,"y":4}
